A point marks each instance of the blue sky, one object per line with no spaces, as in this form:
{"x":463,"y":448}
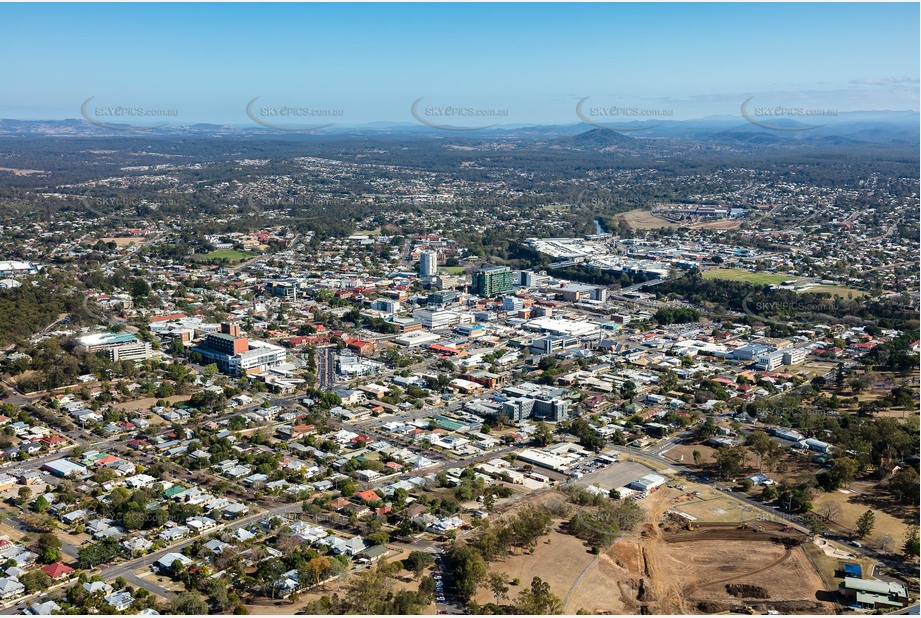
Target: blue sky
{"x":534,"y":62}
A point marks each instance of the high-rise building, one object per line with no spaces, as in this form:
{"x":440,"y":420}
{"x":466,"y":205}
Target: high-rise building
{"x":492,"y":281}
{"x":428,"y":263}
{"x":326,"y":366}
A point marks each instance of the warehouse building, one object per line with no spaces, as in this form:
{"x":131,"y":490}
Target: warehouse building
{"x":64,"y":468}
{"x":873,"y":594}
{"x":647,"y":483}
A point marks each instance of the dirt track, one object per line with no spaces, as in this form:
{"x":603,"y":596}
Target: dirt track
{"x":764,"y":531}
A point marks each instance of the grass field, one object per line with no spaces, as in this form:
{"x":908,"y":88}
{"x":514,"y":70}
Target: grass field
{"x":231,"y":255}
{"x":644,"y":220}
{"x":735,"y":274}
{"x":838,"y":290}
{"x":368,"y":232}
{"x":851,"y":509}
{"x":452,"y":270}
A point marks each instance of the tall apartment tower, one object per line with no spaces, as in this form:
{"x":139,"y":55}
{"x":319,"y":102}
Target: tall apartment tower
{"x":428,"y":263}
{"x":494,"y":280}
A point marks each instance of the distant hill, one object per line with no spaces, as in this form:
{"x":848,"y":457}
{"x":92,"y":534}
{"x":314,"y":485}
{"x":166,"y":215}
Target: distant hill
{"x":599,"y":139}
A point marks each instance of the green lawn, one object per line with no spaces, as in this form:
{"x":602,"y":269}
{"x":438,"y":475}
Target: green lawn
{"x":453,"y":270}
{"x":231,"y":255}
{"x":735,"y":274}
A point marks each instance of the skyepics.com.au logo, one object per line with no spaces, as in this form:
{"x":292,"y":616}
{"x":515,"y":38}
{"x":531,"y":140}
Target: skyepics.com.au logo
{"x":126,"y":117}
{"x":288,"y":210}
{"x":784,"y":117}
{"x":599,"y":200}
{"x":621,"y":117}
{"x":785,"y":312}
{"x":442,"y":116}
{"x":295,"y":118}
{"x":120,"y":213}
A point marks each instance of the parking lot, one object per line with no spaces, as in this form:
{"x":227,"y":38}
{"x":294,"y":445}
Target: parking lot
{"x":616,"y":475}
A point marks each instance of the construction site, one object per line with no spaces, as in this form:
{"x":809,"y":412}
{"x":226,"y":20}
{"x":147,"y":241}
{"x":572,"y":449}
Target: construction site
{"x":675,"y":564}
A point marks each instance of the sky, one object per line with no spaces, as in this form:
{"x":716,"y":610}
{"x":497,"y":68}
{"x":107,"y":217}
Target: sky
{"x":470,"y":64}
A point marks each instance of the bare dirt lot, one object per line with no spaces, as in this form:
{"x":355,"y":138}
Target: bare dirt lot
{"x":124,"y":241}
{"x":704,"y":568}
{"x":660,"y":570}
{"x":723,"y":567}
{"x":149,"y":402}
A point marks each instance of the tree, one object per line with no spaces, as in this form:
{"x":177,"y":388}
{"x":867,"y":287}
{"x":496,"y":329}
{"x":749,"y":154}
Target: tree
{"x":831,"y":511}
{"x":35,"y":580}
{"x":760,"y":443}
{"x":25,"y":493}
{"x":498,"y":585}
{"x":865,"y":523}
{"x":911,"y":546}
{"x":188,"y":603}
{"x":469,"y":570}
{"x":906,"y":486}
{"x":883,"y":543}
{"x":843,"y":471}
{"x":418,"y":561}
{"x":697,"y":457}
{"x":543,"y":436}
{"x":51,"y":554}
{"x":729,"y":459}
{"x":538,"y":599}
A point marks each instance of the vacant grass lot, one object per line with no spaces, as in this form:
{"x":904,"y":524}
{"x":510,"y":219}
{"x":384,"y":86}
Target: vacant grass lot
{"x":735,"y":274}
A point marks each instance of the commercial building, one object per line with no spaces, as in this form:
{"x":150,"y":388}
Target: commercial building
{"x":794,"y":356}
{"x":574,"y":292}
{"x":64,"y":468}
{"x":117,"y":346}
{"x":282,"y":289}
{"x":873,"y":594}
{"x":512,"y":303}
{"x":493,"y":281}
{"x":442,"y":297}
{"x":236,"y":355}
{"x":559,"y":457}
{"x":14,"y":268}
{"x":541,"y":407}
{"x":386,"y":305}
{"x":416,"y":338}
{"x":553,"y":344}
{"x":648,"y":482}
{"x":428,"y":263}
{"x":406,"y":325}
{"x":434,"y":318}
{"x":751,"y":351}
{"x":771,"y":361}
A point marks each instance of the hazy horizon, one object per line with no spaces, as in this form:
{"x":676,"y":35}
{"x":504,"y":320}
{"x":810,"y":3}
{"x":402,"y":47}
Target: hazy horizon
{"x":492,"y":64}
